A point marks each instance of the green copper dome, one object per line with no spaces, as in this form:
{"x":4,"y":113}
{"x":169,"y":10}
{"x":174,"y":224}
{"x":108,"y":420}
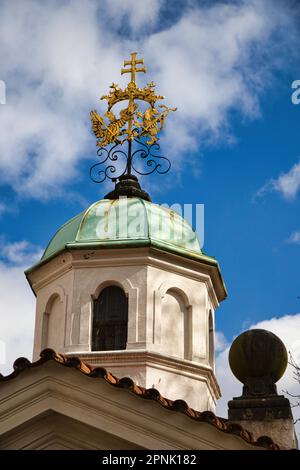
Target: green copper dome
{"x":125,"y":222}
{"x":131,"y":222}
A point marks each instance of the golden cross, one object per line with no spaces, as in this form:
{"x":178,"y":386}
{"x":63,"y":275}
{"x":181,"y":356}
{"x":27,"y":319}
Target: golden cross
{"x":133,"y":70}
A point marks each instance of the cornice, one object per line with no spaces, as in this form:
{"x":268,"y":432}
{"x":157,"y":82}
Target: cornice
{"x":169,"y":262}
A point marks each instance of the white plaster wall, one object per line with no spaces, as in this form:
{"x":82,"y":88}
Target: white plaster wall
{"x":76,"y":290}
{"x":174,"y":379}
{"x":168,"y":314}
{"x":194,"y":390}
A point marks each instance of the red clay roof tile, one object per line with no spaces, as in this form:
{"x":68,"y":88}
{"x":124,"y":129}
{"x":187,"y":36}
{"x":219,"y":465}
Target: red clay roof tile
{"x":150,"y":394}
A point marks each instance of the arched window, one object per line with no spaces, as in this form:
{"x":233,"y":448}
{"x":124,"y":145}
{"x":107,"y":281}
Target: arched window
{"x":110,"y":320}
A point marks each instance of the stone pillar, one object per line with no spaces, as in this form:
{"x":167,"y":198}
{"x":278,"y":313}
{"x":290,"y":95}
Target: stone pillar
{"x":258,"y":359}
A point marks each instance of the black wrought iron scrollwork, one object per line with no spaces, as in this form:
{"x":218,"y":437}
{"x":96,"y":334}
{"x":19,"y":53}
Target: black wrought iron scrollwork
{"x":144,"y":160}
{"x":146,"y":154}
{"x":99,"y":174}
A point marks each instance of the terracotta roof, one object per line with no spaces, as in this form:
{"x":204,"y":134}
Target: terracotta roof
{"x":181,"y":406}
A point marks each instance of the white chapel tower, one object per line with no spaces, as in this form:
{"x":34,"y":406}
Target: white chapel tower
{"x":124,"y":284}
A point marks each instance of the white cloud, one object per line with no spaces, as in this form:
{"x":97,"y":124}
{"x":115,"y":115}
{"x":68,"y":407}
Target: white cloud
{"x":230,"y":386}
{"x":221,"y":342}
{"x":287,"y":184}
{"x":17,"y":308}
{"x":17,"y":302}
{"x":139,"y":15}
{"x":57,"y":58}
{"x":21,"y":253}
{"x":294,"y":237}
{"x":287,"y":328}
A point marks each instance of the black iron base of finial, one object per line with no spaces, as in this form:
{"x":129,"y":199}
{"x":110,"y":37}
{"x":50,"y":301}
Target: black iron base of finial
{"x":128,"y":186}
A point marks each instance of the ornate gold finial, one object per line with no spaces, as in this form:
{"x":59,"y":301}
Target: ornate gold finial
{"x":132,"y":123}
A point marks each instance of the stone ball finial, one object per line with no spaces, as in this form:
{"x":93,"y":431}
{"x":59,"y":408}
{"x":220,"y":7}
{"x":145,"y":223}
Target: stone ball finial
{"x":258,"y":358}
{"x":257,"y":354}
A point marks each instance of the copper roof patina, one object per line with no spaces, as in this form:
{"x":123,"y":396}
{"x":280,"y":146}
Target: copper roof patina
{"x":125,"y":221}
{"x":128,"y":223}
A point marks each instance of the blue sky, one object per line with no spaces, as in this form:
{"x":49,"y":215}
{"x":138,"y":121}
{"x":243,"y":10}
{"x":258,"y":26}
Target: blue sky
{"x":234,"y":143}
